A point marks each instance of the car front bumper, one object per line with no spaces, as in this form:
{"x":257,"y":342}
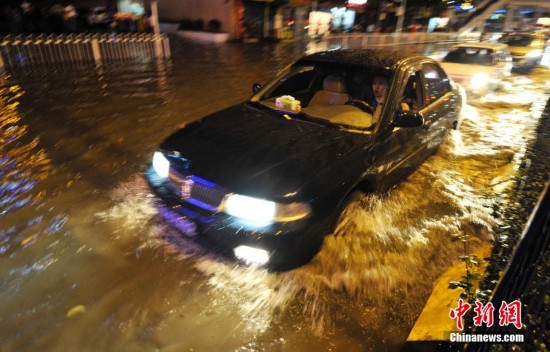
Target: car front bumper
{"x":525,"y":62}
{"x":287,"y":244}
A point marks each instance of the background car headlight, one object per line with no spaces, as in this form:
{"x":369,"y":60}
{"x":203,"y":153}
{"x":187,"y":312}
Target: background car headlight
{"x":479,"y":80}
{"x":533,"y":54}
{"x":263,"y":212}
{"x":161,"y":165}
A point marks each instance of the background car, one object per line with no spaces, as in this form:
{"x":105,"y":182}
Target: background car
{"x":266,"y":180}
{"x":478,"y":67}
{"x":527,"y":48}
{"x":98,"y":16}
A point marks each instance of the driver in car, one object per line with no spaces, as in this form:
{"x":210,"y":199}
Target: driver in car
{"x":379,"y":87}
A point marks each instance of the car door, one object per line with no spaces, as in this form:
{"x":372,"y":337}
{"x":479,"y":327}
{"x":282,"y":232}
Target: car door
{"x":438,"y":106}
{"x":401,"y":149}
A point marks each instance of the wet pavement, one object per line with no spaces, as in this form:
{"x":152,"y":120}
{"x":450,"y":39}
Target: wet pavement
{"x":87,"y":264}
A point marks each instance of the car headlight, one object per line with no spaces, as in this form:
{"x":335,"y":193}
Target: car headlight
{"x":533,"y":54}
{"x":161,"y":165}
{"x":262,"y":212}
{"x":479,"y":80}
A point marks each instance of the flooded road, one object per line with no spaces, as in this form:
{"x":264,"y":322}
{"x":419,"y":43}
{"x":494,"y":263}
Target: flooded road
{"x":88,"y":265}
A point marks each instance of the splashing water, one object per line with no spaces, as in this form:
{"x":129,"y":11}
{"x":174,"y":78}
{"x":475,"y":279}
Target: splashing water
{"x":389,"y":241}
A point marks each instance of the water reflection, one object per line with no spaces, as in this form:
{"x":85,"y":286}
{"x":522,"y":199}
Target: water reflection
{"x":24,"y":169}
{"x":22,"y":163}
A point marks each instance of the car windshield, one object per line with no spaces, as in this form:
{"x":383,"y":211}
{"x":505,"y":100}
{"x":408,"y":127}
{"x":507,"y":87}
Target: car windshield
{"x":323,"y":93}
{"x":473,"y":56}
{"x":517,"y":40}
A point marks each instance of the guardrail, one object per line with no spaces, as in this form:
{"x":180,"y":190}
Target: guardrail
{"x":18,"y":51}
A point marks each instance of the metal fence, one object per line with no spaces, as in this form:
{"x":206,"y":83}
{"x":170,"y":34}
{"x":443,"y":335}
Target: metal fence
{"x":18,"y":51}
{"x":32,"y":50}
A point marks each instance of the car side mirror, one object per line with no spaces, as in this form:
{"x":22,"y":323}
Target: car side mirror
{"x":256,"y":87}
{"x":408,"y":118}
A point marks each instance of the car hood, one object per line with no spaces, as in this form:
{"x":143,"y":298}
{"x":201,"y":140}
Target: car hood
{"x":466,"y":70}
{"x":259,"y":152}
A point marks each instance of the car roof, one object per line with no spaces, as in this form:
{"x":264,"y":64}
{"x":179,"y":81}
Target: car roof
{"x":374,"y":58}
{"x":482,"y":45}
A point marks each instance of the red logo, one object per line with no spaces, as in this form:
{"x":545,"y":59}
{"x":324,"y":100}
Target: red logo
{"x":508,"y":313}
{"x":458,"y":313}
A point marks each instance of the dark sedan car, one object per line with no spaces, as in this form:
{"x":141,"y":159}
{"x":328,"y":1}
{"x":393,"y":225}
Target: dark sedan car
{"x":264,"y":181}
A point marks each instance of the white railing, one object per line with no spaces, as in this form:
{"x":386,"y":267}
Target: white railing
{"x":408,"y":41}
{"x":18,"y":51}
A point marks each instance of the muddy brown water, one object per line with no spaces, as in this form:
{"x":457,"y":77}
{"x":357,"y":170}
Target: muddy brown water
{"x":86,"y":264}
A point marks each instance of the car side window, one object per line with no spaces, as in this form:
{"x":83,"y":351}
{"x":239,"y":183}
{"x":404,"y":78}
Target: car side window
{"x":412,"y":94}
{"x":436,"y":83}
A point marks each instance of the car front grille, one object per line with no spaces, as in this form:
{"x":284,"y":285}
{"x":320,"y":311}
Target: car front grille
{"x":197,"y":191}
{"x":207,"y":194}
